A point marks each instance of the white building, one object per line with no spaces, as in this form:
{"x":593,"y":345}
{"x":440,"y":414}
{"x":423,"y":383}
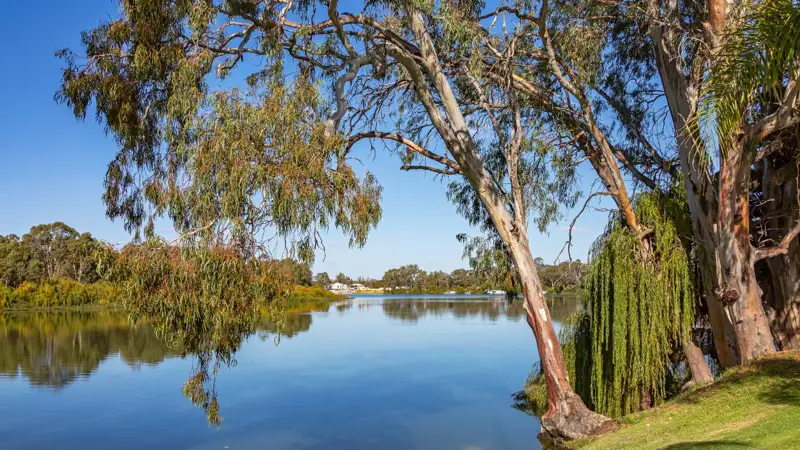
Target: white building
{"x":358,"y":286}
{"x":337,"y":287}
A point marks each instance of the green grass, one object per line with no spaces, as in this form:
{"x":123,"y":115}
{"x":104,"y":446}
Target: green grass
{"x":754,"y":406}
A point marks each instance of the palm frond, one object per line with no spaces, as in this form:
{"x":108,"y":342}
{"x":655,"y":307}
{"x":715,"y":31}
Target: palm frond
{"x":750,"y":71}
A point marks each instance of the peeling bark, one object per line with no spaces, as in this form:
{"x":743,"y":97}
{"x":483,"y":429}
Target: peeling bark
{"x":719,"y":214}
{"x":736,"y":287}
{"x":567,"y":417}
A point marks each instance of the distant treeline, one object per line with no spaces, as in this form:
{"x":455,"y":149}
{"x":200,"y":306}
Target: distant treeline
{"x":54,"y":265}
{"x":563,"y":277}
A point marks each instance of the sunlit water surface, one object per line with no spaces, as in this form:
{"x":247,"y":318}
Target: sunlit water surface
{"x":370,"y":373}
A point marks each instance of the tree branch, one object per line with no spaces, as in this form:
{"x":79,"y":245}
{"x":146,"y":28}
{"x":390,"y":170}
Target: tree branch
{"x":568,"y":245}
{"x":621,"y":157}
{"x":665,"y":165}
{"x":411,"y":145}
{"x":780,"y":249}
{"x":784,"y":117}
{"x":429,"y":169}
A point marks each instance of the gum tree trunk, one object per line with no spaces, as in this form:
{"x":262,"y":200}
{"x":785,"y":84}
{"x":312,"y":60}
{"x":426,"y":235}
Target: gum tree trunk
{"x":783,"y":303}
{"x":720,"y":223}
{"x":567,"y":417}
{"x":736,"y":287}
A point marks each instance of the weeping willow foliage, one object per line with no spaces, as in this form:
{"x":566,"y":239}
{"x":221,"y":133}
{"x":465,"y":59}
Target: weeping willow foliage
{"x":641,"y":307}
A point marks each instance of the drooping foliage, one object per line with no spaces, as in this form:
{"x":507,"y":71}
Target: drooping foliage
{"x":641,"y":306}
{"x":202,"y":300}
{"x":223,"y":165}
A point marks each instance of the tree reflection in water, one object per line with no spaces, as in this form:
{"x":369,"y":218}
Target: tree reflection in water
{"x":412,"y":309}
{"x":54,"y":349}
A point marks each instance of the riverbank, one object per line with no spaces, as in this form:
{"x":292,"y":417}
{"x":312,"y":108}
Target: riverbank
{"x":68,"y":295}
{"x":311,"y":298}
{"x":757,"y":405}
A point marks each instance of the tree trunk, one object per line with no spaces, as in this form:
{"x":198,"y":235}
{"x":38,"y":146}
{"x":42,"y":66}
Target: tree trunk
{"x":736,"y":286}
{"x":781,"y":213}
{"x":720,"y":224}
{"x":701,"y":374}
{"x":567,"y":417}
{"x":784,"y":308}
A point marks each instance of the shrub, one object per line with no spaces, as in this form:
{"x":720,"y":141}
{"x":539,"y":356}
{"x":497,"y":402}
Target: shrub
{"x":59,"y":292}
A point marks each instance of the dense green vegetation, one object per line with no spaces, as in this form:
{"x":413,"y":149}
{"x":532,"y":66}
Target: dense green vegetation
{"x":55,"y":266}
{"x":59,"y":293}
{"x":753,"y":406}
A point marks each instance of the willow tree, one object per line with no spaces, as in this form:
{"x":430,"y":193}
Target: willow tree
{"x":231,"y":166}
{"x":642,"y":309}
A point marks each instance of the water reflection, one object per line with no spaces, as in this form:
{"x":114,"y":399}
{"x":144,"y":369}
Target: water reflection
{"x":491,"y":309}
{"x":55,"y":349}
{"x":373,"y":372}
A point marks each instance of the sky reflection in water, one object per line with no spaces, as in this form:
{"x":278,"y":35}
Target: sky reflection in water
{"x":375,"y":372}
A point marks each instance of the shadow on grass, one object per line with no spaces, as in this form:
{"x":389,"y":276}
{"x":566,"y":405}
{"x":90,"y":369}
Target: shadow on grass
{"x":706,"y":444}
{"x":781,"y":371}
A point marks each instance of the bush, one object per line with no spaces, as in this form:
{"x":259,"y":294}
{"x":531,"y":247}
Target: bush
{"x":58,"y":293}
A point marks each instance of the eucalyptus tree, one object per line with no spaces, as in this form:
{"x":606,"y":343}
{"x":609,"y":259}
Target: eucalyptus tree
{"x":738,"y":63}
{"x":231,"y":165}
{"x":14,"y":260}
{"x":687,"y":51}
{"x":49,"y":247}
{"x":596,"y":94}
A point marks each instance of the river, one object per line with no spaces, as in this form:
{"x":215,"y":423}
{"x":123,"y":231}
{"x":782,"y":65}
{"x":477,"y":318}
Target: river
{"x":418,"y":372}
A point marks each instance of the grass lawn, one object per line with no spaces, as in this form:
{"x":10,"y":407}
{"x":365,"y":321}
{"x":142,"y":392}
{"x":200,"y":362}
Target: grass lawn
{"x":755,"y":406}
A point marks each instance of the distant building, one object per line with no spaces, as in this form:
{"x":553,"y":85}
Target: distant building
{"x":358,"y":287}
{"x":337,"y":287}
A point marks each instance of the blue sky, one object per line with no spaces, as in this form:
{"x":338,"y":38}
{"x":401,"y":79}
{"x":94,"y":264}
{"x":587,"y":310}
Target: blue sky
{"x":52,"y":166}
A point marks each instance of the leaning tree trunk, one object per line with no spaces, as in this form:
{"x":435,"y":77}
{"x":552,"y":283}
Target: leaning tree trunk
{"x":567,"y":416}
{"x":698,"y":366}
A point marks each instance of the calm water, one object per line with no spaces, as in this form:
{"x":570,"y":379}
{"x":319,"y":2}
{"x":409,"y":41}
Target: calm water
{"x":373,"y":372}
